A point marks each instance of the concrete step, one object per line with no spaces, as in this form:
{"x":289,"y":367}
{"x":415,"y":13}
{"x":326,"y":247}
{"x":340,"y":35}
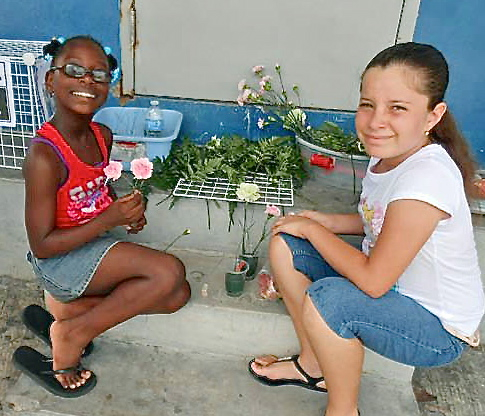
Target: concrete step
{"x":146,"y":381}
{"x":219,"y":324}
{"x":194,"y":362}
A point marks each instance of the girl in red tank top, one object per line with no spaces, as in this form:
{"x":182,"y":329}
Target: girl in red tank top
{"x":93,"y":280}
{"x":84,"y":195}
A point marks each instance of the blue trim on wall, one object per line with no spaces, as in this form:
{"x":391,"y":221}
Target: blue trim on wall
{"x":202,"y":120}
{"x":456,"y":28}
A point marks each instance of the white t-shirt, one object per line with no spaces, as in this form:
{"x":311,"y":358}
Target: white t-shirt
{"x":444,"y":277}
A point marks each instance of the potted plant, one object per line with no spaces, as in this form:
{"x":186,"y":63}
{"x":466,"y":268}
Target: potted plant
{"x":248,"y":193}
{"x":342,"y":163}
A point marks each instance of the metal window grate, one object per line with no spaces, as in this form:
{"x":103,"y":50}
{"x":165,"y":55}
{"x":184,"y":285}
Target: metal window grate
{"x":272,"y":192}
{"x":28,"y":108}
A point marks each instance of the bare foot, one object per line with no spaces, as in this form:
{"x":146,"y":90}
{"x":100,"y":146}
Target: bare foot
{"x":66,"y":353}
{"x":269,"y":367}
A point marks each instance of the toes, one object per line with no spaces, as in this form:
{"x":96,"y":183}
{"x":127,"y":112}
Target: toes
{"x":74,"y":380}
{"x":266,"y":360}
{"x":62,"y":380}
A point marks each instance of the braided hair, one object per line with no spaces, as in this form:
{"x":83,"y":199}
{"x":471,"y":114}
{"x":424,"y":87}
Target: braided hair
{"x":56,"y":46}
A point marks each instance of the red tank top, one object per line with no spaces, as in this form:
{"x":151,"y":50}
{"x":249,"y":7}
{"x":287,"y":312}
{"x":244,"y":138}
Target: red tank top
{"x":84,"y":195}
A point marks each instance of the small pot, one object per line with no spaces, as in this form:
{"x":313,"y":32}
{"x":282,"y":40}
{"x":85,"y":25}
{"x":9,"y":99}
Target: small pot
{"x":252,"y":262}
{"x":234,"y":281}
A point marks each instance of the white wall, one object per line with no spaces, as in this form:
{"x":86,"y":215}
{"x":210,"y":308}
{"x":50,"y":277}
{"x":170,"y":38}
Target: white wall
{"x":201,"y":49}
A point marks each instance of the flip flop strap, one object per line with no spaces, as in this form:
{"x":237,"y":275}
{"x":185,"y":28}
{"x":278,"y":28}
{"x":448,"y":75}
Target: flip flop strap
{"x":312,"y":381}
{"x":62,"y":371}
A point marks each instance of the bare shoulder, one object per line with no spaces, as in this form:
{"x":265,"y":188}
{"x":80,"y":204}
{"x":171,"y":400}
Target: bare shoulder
{"x":42,"y":163}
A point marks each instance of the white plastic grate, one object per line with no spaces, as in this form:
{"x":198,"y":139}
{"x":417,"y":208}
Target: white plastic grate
{"x":28,"y":108}
{"x":272,"y":192}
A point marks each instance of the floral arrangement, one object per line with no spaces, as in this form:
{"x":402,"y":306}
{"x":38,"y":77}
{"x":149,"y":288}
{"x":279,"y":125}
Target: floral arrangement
{"x":275,"y":101}
{"x":232,"y":158}
{"x":141,"y":169}
{"x":247,"y":193}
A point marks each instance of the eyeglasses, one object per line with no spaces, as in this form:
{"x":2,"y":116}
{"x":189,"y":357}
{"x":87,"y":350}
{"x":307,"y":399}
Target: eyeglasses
{"x":78,"y":71}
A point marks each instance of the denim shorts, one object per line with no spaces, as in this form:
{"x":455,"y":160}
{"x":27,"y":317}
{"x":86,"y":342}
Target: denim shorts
{"x":67,"y":276}
{"x":394,"y":325}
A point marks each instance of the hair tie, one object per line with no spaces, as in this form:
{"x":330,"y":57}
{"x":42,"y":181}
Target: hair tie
{"x":107,"y":50}
{"x":115,"y":75}
{"x":60,"y":39}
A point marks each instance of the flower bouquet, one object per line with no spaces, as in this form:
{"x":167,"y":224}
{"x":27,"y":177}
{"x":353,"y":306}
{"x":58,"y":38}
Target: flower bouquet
{"x":141,"y":169}
{"x":324,"y":146}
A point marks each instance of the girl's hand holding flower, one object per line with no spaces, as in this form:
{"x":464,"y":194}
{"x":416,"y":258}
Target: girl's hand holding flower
{"x":125,"y":211}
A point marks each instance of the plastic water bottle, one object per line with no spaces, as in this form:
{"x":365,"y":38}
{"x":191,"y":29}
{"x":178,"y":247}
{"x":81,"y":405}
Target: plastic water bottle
{"x":154,"y":120}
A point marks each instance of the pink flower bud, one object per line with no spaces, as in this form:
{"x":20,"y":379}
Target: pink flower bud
{"x":272,"y":210}
{"x":142,"y":168}
{"x":113,"y":170}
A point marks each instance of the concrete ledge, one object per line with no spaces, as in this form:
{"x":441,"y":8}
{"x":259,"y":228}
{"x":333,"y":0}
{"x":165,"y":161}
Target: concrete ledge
{"x":221,"y":325}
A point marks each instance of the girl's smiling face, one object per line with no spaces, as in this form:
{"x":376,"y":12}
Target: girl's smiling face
{"x":79,"y":95}
{"x":393,"y":116}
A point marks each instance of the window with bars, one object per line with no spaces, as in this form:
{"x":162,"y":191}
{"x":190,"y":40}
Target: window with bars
{"x":29,"y":114}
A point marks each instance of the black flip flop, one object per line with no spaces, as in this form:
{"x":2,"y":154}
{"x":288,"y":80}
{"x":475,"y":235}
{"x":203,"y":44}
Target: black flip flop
{"x":310,"y":383}
{"x":39,"y":368}
{"x":39,"y":321}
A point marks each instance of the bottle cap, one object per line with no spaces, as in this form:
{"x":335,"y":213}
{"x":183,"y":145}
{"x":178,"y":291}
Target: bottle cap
{"x":154,"y":102}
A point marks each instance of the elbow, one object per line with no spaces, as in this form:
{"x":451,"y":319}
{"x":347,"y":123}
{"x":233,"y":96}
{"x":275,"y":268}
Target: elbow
{"x":40,"y":252}
{"x":377,"y":291}
{"x":374,"y":288}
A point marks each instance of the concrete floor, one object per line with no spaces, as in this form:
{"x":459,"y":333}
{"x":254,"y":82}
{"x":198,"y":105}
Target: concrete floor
{"x":455,"y":390}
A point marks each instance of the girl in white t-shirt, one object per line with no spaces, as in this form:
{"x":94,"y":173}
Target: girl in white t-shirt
{"x":413,"y":293}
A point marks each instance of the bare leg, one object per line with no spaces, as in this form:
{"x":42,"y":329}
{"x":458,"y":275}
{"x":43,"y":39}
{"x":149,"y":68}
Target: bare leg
{"x":62,"y":311}
{"x":130,"y":280}
{"x":292,"y":285}
{"x":339,"y":358}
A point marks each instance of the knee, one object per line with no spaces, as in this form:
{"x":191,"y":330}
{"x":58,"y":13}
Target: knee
{"x":277,"y":246}
{"x":338,"y":302}
{"x":171,"y":283}
{"x":178,"y":299}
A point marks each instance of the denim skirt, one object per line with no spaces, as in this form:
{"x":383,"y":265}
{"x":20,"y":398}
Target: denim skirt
{"x":394,"y":325}
{"x":67,"y":276}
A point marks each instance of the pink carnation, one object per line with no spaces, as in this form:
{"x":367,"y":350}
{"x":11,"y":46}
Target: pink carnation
{"x":142,"y":168}
{"x":244,"y":97}
{"x":113,"y":170}
{"x":272,"y":210}
{"x":242,"y":85}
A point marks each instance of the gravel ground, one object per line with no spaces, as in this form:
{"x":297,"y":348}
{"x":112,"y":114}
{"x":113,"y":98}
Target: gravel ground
{"x":455,"y":390}
{"x":15,"y":294}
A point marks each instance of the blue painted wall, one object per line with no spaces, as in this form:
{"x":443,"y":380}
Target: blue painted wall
{"x":44,"y":19}
{"x":454,"y":27}
{"x":457,"y":28}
